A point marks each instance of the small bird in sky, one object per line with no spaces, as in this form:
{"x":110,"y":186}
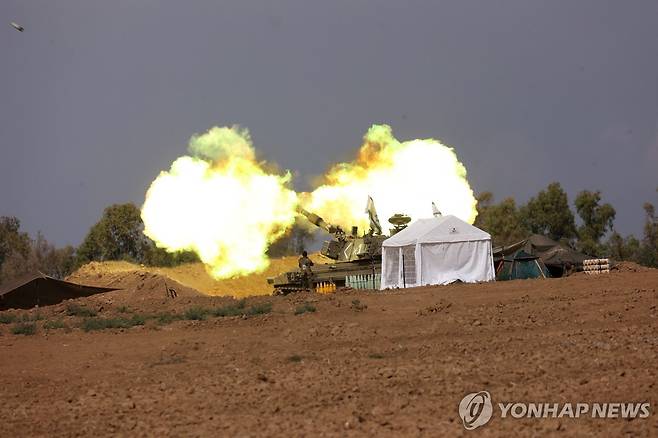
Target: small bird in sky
{"x":18,"y":27}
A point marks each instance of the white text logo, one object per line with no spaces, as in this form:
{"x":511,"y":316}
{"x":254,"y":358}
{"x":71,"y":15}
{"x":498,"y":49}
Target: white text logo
{"x":475,"y":409}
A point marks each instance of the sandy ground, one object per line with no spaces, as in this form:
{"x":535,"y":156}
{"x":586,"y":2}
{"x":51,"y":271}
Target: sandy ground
{"x":393,"y":363}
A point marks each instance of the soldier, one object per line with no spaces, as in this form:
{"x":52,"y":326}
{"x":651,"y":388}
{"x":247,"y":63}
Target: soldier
{"x":305,"y":267}
{"x":567,"y":269}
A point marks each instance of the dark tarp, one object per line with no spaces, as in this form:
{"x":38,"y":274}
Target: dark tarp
{"x":520,"y":266}
{"x":37,"y":289}
{"x":555,"y":256}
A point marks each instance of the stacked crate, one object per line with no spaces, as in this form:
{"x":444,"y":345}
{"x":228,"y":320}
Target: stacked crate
{"x":596,"y":266}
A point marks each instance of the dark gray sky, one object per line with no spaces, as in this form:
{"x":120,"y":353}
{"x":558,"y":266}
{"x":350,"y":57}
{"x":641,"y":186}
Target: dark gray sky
{"x":96,"y":97}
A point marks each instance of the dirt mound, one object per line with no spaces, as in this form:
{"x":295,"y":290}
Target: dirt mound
{"x":630,"y":267}
{"x":132,"y":279}
{"x":192,"y":275}
{"x":137,"y":285}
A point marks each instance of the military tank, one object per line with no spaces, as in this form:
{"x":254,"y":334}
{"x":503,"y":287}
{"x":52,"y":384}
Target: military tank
{"x":353,"y":260}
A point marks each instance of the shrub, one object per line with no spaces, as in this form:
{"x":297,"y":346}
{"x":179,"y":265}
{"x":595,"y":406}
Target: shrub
{"x":167,"y":318}
{"x":24,"y":328}
{"x":237,"y":309}
{"x":26,"y":317}
{"x":306,"y":307}
{"x":137,"y":320}
{"x":57,"y":324}
{"x":123,"y":309}
{"x":196,"y":313}
{"x":73,"y":309}
{"x":295,"y":358}
{"x":7,"y":318}
{"x":230,"y":310}
{"x":92,"y":324}
{"x":259,"y":309}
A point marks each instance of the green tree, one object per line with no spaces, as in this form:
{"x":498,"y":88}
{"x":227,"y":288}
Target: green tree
{"x":548,"y":213}
{"x":649,"y":251}
{"x":12,"y":239}
{"x":117,"y":236}
{"x":484,"y":201}
{"x":19,"y":254}
{"x":502,"y":221}
{"x":14,"y":249}
{"x":597,"y":220}
{"x":619,"y":248}
{"x":52,"y":261}
{"x":161,"y":257}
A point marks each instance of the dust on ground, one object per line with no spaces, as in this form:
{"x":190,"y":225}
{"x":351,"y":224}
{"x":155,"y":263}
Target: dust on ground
{"x":365,"y":363}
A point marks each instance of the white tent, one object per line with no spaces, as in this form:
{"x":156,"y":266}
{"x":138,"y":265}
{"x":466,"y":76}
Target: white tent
{"x":438,"y":250}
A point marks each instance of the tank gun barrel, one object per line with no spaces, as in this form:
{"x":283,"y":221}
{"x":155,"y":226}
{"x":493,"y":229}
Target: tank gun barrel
{"x":320,"y":223}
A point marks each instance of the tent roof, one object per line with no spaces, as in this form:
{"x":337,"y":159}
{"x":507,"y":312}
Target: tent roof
{"x":551,"y":252}
{"x":19,"y":281}
{"x":541,"y":242}
{"x":521,"y":255}
{"x":36,"y":288}
{"x":436,"y":230}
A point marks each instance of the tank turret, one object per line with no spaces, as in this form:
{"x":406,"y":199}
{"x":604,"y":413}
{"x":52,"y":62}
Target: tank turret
{"x":353,"y":257}
{"x":346,"y":247}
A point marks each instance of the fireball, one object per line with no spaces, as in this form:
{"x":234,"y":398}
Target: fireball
{"x":402,"y":177}
{"x":220,"y":203}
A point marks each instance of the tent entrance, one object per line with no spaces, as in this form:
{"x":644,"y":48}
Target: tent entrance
{"x":391,"y":267}
{"x":521,"y":266}
{"x":409,"y":266}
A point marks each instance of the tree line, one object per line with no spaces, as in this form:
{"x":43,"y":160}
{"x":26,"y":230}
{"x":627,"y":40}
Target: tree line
{"x":549,"y":213}
{"x":119,"y":235}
